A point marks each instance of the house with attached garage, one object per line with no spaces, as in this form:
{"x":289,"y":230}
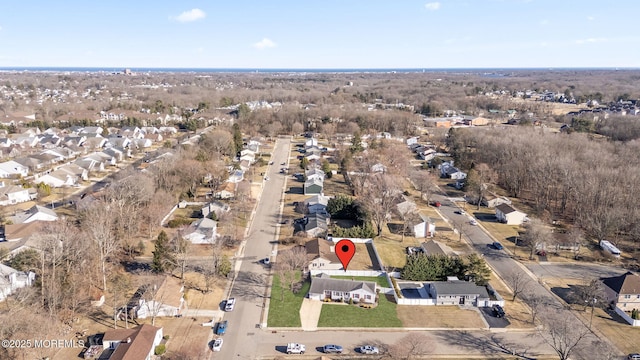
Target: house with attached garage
{"x":12,"y":280}
{"x":317,"y":204}
{"x":507,"y":214}
{"x":313,"y":225}
{"x":34,"y":213}
{"x":160,"y":298}
{"x":202,"y":231}
{"x":424,"y":227}
{"x":458,"y":292}
{"x":323,"y":287}
{"x":313,"y":186}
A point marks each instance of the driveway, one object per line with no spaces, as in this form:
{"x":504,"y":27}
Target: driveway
{"x":310,"y":314}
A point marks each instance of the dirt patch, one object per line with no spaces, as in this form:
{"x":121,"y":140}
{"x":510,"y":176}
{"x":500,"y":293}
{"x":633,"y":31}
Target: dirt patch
{"x":439,"y":317}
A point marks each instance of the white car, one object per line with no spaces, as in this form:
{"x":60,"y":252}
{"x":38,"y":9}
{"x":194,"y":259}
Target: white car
{"x":217,"y":344}
{"x":266,"y":261}
{"x":369,"y":350}
{"x":230,"y":304}
{"x":473,"y":222}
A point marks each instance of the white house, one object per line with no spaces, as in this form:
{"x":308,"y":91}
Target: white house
{"x":161,"y":299}
{"x":425,"y":228}
{"x":12,"y":280}
{"x":324,"y":287}
{"x":449,"y":171}
{"x":314,"y":173}
{"x":458,"y":292}
{"x":34,"y":213}
{"x":12,"y":168}
{"x":311,"y":142}
{"x":57,"y":178}
{"x":507,"y":214}
{"x":202,"y":231}
{"x":412,"y":140}
{"x":14,"y":194}
{"x":137,"y":343}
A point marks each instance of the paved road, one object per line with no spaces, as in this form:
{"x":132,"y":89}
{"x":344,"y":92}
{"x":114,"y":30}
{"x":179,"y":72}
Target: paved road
{"x":505,"y":266}
{"x":249,"y":287}
{"x":573,"y":270}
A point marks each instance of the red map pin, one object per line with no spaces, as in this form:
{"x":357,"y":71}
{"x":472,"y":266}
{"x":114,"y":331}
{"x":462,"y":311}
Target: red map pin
{"x":345,"y":249}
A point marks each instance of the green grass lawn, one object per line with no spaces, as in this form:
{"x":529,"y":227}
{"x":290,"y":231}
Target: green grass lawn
{"x":285,"y":313}
{"x":380,"y":280}
{"x":384,"y":315}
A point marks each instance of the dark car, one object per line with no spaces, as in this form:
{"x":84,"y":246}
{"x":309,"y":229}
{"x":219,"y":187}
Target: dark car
{"x":221,"y":328}
{"x":498,"y":311}
{"x":332,"y":349}
{"x":496,"y":245}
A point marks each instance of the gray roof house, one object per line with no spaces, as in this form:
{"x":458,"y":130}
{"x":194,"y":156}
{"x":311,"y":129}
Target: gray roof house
{"x":313,"y":224}
{"x":324,"y":287}
{"x":458,"y":292}
{"x":313,"y":186}
{"x":317,"y":204}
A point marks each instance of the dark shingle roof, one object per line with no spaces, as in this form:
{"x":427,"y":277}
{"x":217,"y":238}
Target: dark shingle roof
{"x":627,"y":283}
{"x":323,"y":282}
{"x":444,"y":288}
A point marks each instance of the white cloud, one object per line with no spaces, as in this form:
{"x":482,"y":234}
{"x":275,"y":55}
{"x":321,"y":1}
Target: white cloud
{"x":264,"y":44}
{"x":432,"y":6}
{"x":591,"y":41}
{"x":190,"y":15}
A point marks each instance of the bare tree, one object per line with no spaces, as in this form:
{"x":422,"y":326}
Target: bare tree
{"x":295,"y":260}
{"x":536,"y":236}
{"x":408,"y":213}
{"x":413,"y":345}
{"x":480,"y":178}
{"x":561,"y":332}
{"x":98,"y":225}
{"x":382,"y":194}
{"x":518,"y":281}
{"x":536,"y":303}
{"x":423,"y":181}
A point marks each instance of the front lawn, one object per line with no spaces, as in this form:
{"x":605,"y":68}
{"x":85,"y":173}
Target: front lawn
{"x":380,"y":280}
{"x":285,"y":313}
{"x":384,"y":315}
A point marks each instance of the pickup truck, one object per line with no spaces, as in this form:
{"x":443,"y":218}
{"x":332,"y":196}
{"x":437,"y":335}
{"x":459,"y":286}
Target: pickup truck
{"x":230,"y":304}
{"x":295,"y":348}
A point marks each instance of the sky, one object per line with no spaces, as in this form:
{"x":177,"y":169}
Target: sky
{"x":327,"y":34}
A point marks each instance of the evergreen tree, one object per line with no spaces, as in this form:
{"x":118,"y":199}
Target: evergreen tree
{"x":237,"y":137}
{"x":163,"y":259}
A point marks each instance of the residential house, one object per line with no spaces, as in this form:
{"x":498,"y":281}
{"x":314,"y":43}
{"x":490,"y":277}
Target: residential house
{"x":5,"y":142}
{"x":492,"y":200}
{"x":227,"y":190}
{"x":433,"y":247}
{"x":313,"y":186}
{"x":34,"y":213}
{"x":458,"y":292}
{"x":321,"y":255}
{"x":245,"y":165}
{"x":12,"y":280}
{"x":202,"y":231}
{"x":14,"y":194}
{"x":311,"y":142}
{"x":12,"y":168}
{"x":425,"y":227}
{"x":451,"y":172}
{"x":90,"y":164}
{"x":165,"y":298}
{"x":317,"y":204}
{"x":33,"y":164}
{"x":623,"y":291}
{"x":57,"y":178}
{"x":138,"y":343}
{"x":313,"y":156}
{"x":95,"y":142}
{"x":236,"y":176}
{"x":142,"y":143}
{"x":118,"y":142}
{"x":412,"y":140}
{"x":313,"y":225}
{"x":217,"y":207}
{"x":314,"y":173}
{"x":77,"y":172}
{"x":324,"y":287}
{"x":507,"y":214}
{"x":117,"y":153}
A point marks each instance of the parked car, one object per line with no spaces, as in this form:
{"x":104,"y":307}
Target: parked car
{"x":266,"y":261}
{"x":230,"y":304}
{"x":633,"y":357}
{"x":473,"y":222}
{"x":217,"y":344}
{"x":221,"y":328}
{"x":369,"y":350}
{"x":498,"y":311}
{"x":295,"y":348}
{"x":436,"y":203}
{"x":496,"y":245}
{"x":283,"y":164}
{"x":270,"y":162}
{"x":332,"y":349}
{"x":460,"y":212}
